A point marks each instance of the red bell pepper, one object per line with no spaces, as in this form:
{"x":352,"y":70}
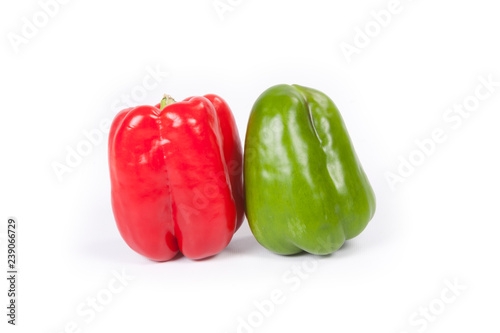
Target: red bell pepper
{"x":176,"y":177}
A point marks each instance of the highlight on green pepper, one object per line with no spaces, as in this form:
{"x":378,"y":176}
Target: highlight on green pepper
{"x":305,"y":187}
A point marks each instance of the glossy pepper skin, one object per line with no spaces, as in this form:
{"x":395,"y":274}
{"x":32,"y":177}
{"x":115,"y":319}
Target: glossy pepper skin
{"x":305,"y":188}
{"x":176,"y":177}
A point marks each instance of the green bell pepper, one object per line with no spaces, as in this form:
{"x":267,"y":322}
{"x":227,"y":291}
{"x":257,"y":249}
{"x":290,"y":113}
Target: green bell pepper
{"x":305,"y":188}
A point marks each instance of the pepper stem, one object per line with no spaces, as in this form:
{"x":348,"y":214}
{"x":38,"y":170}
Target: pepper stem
{"x":166,"y":100}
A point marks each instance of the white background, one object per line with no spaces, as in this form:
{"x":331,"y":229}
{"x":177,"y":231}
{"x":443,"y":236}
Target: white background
{"x":438,"y":227}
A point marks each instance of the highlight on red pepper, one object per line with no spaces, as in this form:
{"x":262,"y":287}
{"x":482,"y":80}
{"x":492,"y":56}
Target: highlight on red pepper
{"x":176,"y":177}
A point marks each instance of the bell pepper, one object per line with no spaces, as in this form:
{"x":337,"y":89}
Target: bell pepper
{"x":176,"y":177}
{"x":305,"y":188}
